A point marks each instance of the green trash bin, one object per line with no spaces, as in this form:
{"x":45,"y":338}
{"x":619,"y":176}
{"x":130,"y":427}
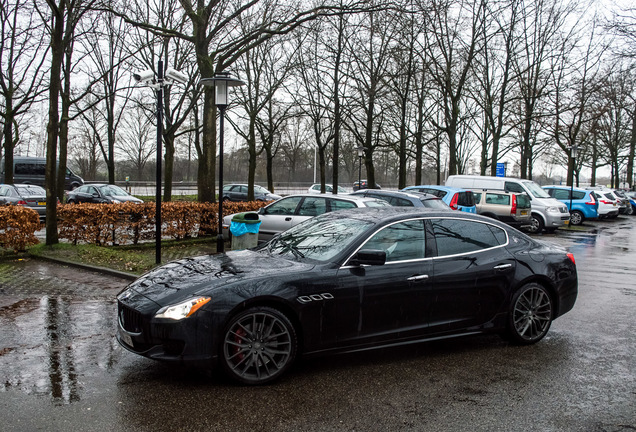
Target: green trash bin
{"x":244,"y":228}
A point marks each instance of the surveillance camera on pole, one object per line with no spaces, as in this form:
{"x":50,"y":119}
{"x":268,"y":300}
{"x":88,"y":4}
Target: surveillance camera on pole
{"x":145,"y":77}
{"x":175,"y":75}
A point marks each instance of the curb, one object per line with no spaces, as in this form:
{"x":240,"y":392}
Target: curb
{"x":104,"y":270}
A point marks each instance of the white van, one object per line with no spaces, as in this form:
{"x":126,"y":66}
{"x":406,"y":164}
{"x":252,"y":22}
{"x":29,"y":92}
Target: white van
{"x":547,"y":212}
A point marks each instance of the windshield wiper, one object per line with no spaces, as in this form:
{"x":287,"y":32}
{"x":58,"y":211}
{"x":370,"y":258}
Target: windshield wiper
{"x":286,"y":247}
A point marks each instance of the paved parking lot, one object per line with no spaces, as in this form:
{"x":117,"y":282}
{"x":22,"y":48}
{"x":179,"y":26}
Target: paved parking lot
{"x":61,"y":369}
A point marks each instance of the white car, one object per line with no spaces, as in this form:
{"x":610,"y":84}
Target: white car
{"x":315,"y":188}
{"x":294,"y":209}
{"x":607,"y":204}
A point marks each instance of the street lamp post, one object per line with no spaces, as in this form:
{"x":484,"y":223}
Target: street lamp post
{"x":360,"y":155}
{"x":158,"y":82}
{"x":221,"y":81}
{"x":573,"y":150}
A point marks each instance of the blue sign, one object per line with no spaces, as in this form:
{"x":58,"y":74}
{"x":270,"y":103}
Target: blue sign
{"x":501,"y":169}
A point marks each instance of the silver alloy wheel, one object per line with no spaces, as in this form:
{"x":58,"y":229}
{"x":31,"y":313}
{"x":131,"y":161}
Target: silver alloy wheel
{"x":259,"y":345}
{"x":532,"y":313}
{"x":576,"y":218}
{"x":536,"y":224}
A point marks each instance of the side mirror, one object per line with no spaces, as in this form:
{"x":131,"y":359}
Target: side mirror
{"x":261,"y":211}
{"x":368,"y":257}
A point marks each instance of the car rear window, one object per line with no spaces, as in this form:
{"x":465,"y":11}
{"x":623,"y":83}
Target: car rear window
{"x":523,"y":201}
{"x":341,"y":204}
{"x":466,"y":199}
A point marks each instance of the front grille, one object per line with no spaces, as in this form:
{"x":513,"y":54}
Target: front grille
{"x":129,"y":319}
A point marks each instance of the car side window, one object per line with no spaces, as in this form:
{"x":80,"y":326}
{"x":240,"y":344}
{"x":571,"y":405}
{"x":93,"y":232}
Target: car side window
{"x":455,"y":237}
{"x":401,"y":241}
{"x":477,"y":196}
{"x":92,"y":190}
{"x":513,"y":187}
{"x":337,"y":204}
{"x":3,"y":191}
{"x":400,"y":202}
{"x":578,"y":195}
{"x":561,"y":194}
{"x":495,"y":198}
{"x":312,"y":206}
{"x":286,"y":206}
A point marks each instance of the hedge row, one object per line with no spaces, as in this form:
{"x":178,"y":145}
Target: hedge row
{"x":17,"y":227}
{"x":111,"y":224}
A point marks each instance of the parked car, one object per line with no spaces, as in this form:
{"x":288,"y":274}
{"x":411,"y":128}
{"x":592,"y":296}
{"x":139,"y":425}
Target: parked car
{"x":607,"y":205}
{"x":457,"y":199}
{"x":363,"y":184}
{"x":100,"y":193}
{"x":510,"y":207}
{"x":626,"y":207}
{"x":31,"y":196}
{"x":405,"y":199}
{"x":632,"y":200}
{"x":294,"y":209}
{"x":347,"y":281}
{"x":31,"y":170}
{"x":238,"y":192}
{"x":315,"y":188}
{"x":547,"y":213}
{"x":584,"y":204}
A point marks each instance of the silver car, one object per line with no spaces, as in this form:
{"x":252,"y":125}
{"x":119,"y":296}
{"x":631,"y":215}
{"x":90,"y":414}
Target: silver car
{"x":291,"y":210}
{"x":31,"y":196}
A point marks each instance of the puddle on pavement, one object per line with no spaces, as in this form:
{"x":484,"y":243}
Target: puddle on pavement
{"x":58,"y":327}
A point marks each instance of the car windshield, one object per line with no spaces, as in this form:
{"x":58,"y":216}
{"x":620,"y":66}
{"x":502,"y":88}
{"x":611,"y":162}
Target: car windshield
{"x":113,"y":190}
{"x":435,"y":204}
{"x":260,"y":189}
{"x":535,"y":190}
{"x":317,"y":239}
{"x":30,"y":190}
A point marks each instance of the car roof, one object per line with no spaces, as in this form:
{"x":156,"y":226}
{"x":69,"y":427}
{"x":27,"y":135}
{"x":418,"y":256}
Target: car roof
{"x":400,"y":194}
{"x":563,"y":187}
{"x":439,"y":187}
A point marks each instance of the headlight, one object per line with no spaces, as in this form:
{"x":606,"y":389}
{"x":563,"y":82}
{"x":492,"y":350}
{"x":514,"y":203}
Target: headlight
{"x":552,"y":209}
{"x":114,"y":201}
{"x":182,"y":310}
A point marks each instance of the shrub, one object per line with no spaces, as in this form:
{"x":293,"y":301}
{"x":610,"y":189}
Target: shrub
{"x":17,"y":227}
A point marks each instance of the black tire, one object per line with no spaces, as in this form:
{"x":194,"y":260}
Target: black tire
{"x":258,"y":346}
{"x":531,"y":312}
{"x":70,"y":202}
{"x":576,"y":218}
{"x":536,"y":224}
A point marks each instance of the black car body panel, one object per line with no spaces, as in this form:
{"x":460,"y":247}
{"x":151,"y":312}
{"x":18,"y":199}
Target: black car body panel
{"x":338,"y":306}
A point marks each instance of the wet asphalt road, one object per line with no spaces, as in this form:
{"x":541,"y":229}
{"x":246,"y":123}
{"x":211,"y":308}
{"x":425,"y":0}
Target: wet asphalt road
{"x":61,"y":369}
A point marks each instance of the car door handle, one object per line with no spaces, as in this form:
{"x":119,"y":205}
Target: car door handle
{"x":502,"y":267}
{"x":417,"y":278}
{"x":287,"y":219}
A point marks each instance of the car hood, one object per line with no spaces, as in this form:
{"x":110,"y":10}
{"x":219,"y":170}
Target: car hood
{"x":124,"y":198}
{"x":204,"y":274}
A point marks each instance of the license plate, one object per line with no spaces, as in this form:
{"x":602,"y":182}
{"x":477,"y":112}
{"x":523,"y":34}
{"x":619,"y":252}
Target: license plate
{"x":41,"y":203}
{"x":524,"y":212}
{"x":567,"y":222}
{"x":125,"y":337}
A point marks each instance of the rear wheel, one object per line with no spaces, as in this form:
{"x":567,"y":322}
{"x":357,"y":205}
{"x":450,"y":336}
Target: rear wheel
{"x":70,"y":202}
{"x":576,"y":217}
{"x":530,"y":314}
{"x":259,"y":345}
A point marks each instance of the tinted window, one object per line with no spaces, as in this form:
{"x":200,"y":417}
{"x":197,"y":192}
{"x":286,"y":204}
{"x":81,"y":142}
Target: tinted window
{"x":513,"y":187}
{"x":341,"y":205}
{"x":400,"y":202}
{"x":29,"y":169}
{"x":578,"y":195}
{"x":401,"y":241}
{"x":523,"y":201}
{"x":466,"y":199}
{"x":477,"y":196}
{"x":455,"y":236}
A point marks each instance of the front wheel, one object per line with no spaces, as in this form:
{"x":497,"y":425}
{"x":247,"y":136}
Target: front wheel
{"x":530,"y":314}
{"x":259,"y":345}
{"x":536,"y":224}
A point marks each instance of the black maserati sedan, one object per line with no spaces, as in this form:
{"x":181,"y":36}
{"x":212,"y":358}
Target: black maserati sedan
{"x":346,"y":281}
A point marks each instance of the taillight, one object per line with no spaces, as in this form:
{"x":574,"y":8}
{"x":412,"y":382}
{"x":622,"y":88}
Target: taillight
{"x":607,"y":202}
{"x":592,"y":201}
{"x":21,"y":202}
{"x":453,"y":203}
{"x":571,"y":256}
{"x":513,"y":209}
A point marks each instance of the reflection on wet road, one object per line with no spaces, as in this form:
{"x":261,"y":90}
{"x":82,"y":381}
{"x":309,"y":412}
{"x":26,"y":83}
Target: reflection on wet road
{"x":61,"y":369}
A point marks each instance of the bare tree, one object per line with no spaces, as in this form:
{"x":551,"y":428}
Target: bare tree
{"x":22,"y":58}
